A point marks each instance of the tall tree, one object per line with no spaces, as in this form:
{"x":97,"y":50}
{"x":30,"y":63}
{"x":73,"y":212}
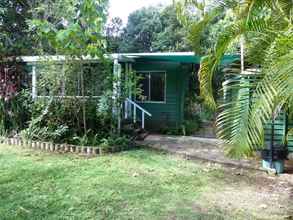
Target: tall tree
{"x":140,"y":30}
{"x":172,"y":36}
{"x":58,"y":14}
{"x":113,"y":34}
{"x":14,"y":39}
{"x":153,"y":29}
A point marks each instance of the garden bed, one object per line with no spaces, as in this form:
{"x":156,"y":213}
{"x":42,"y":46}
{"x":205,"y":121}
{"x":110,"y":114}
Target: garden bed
{"x":89,"y":151}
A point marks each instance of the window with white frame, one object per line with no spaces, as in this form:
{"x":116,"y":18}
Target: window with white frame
{"x":153,"y":85}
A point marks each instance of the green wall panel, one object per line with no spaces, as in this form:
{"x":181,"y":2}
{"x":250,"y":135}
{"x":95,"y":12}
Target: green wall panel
{"x":279,"y":131}
{"x":170,"y":113}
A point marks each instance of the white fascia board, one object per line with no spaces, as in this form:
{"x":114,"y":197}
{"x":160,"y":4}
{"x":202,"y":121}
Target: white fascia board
{"x":134,"y":55}
{"x":122,"y":57}
{"x":61,"y":58}
{"x":57,"y":58}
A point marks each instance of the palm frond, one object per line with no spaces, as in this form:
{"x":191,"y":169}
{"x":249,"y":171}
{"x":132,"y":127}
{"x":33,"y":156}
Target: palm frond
{"x":233,"y":119}
{"x":241,"y":120}
{"x":209,"y":64}
{"x":267,"y":26}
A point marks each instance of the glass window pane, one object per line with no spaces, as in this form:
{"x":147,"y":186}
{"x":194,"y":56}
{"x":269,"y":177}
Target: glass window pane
{"x":144,"y":86}
{"x":158,"y":87}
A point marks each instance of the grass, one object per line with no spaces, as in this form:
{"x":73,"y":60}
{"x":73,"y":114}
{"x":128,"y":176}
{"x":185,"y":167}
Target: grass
{"x":139,"y":184}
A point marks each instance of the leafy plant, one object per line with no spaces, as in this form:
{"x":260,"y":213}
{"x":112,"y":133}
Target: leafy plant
{"x":189,"y":127}
{"x":115,"y":141}
{"x":38,"y":131}
{"x":266,"y":27}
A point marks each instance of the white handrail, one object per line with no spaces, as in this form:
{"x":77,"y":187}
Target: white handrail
{"x":139,"y":107}
{"x":135,"y":106}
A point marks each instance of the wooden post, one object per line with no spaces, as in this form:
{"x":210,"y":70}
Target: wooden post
{"x":142,"y":119}
{"x":126,"y":105}
{"x":134,"y":114}
{"x":34,"y":82}
{"x":117,"y":92}
{"x":129,"y":92}
{"x":125,"y":109}
{"x":119,"y":97}
{"x":63,"y":81}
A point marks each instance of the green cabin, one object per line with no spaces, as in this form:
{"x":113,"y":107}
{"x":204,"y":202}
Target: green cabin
{"x":165,"y":79}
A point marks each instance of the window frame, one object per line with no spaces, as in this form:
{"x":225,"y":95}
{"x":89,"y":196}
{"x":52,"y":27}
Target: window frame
{"x":165,"y":89}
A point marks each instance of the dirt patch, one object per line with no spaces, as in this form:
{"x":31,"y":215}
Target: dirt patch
{"x":207,"y":149}
{"x":250,"y":195}
{"x":243,"y":191}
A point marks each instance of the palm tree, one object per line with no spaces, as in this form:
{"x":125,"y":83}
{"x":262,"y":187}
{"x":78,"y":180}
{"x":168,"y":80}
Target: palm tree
{"x":266,"y":26}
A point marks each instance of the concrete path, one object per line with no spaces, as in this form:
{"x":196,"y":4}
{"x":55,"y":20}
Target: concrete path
{"x":206,"y":149}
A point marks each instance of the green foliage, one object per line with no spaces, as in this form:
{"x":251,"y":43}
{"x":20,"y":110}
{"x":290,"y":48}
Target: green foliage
{"x":113,"y":35}
{"x":149,"y":30}
{"x":140,"y":30}
{"x":14,"y":113}
{"x":189,"y":127}
{"x":267,"y":29}
{"x":88,"y":139}
{"x":18,"y":35}
{"x":76,"y":36}
{"x":80,"y":36}
{"x":13,"y":37}
{"x":172,"y":36}
{"x":37,"y":132}
{"x":115,"y":141}
{"x":61,"y":120}
{"x":204,"y":21}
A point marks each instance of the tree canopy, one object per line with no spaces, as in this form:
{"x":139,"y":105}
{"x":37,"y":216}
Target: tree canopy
{"x":149,"y":29}
{"x":17,"y":35}
{"x":14,"y":39}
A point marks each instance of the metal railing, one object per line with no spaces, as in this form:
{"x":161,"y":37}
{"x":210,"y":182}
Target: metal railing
{"x":128,"y":111}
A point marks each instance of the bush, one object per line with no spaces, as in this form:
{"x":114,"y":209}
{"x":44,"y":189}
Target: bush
{"x":61,"y":120}
{"x":14,"y":113}
{"x":189,"y":127}
{"x":115,"y":141}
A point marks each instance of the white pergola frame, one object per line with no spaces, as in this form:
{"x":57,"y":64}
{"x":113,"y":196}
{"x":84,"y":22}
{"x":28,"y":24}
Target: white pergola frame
{"x":35,"y":60}
{"x":117,"y":70}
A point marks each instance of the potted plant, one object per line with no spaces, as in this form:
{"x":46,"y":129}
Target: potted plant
{"x":274,"y":158}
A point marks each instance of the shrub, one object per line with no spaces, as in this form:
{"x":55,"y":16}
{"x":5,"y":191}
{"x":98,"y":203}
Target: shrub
{"x":189,"y":127}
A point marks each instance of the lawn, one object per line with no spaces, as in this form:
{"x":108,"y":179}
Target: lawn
{"x":139,"y":184}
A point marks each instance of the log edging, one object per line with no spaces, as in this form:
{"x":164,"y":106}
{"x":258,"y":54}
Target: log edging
{"x":88,"y":151}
